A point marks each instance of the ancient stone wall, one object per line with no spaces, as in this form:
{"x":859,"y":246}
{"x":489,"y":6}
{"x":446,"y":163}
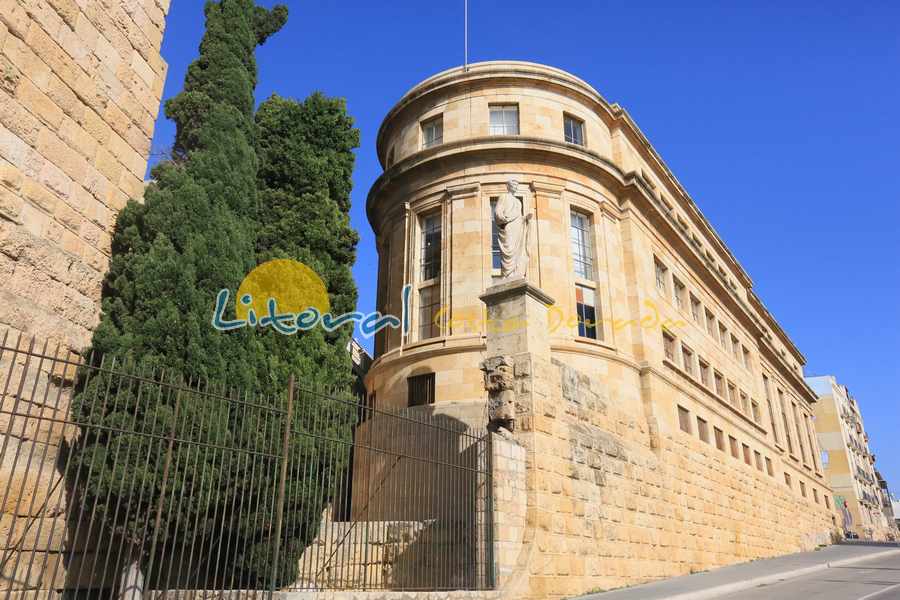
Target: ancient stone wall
{"x":80,"y":88}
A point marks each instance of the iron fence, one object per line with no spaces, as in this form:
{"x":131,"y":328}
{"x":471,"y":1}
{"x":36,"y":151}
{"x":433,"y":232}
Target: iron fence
{"x":118,"y":480}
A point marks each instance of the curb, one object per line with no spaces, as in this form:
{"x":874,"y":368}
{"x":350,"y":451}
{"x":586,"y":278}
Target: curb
{"x":739,"y":586}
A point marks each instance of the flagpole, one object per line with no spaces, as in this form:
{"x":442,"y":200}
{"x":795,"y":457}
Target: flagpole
{"x":465,"y":36}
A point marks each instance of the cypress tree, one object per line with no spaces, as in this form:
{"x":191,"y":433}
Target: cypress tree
{"x":194,"y":234}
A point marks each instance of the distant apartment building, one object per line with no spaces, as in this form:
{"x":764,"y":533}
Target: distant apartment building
{"x":848,"y":460}
{"x":887,"y":504}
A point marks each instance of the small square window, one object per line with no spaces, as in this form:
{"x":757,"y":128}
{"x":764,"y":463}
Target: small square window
{"x":703,"y":429}
{"x":684,"y":419}
{"x":687,"y":358}
{"x":420,"y":389}
{"x":505,"y":119}
{"x":661,"y":275}
{"x":696,"y":309}
{"x":574,"y":130}
{"x":669,"y":345}
{"x":433,"y":132}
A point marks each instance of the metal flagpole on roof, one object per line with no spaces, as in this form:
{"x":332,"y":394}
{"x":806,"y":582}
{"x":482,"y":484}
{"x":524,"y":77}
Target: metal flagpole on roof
{"x":465,"y":35}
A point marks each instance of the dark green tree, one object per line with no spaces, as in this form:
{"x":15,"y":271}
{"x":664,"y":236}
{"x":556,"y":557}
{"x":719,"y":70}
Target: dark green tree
{"x":194,"y":234}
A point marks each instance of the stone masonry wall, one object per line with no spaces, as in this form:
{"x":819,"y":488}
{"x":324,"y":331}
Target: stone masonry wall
{"x":609,"y":507}
{"x":80,"y":88}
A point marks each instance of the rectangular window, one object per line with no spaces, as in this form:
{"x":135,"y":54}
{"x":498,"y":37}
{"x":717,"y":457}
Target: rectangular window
{"x":757,"y":457}
{"x":505,"y":119}
{"x":787,"y":479}
{"x":684,"y":419}
{"x":429,"y":272}
{"x":669,"y":345}
{"x":799,"y":435}
{"x":747,"y":458}
{"x":754,"y":408}
{"x":723,"y":337}
{"x":720,"y":439}
{"x":827,"y":502}
{"x":720,"y":384}
{"x":735,"y":452}
{"x":825,"y":459}
{"x":704,"y":372}
{"x":803,"y":489}
{"x":430,"y":260}
{"x":696,"y":309}
{"x":816,"y":495}
{"x":433,"y":132}
{"x":581,"y":244}
{"x":680,"y":293}
{"x":769,"y":469}
{"x":735,"y":347}
{"x":711,"y":323}
{"x":661,"y":275}
{"x":586,"y":307}
{"x":687,"y":359}
{"x":429,"y":311}
{"x":768,"y":394}
{"x":420,"y":389}
{"x":784,"y":418}
{"x":496,"y":254}
{"x":746,"y":354}
{"x":574,"y":130}
{"x":732,"y":395}
{"x":745,"y":403}
{"x":703,"y":430}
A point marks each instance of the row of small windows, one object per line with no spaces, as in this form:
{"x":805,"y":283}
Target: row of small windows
{"x":704,"y":317}
{"x":504,"y":120}
{"x":738,"y":450}
{"x":698,"y":368}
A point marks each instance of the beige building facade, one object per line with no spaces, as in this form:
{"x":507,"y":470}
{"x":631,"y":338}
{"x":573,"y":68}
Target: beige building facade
{"x":849,"y":462}
{"x":79,"y":95}
{"x":668,"y":427}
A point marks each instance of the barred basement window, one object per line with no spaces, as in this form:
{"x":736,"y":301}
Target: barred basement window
{"x":433,"y":132}
{"x":505,"y":119}
{"x":581,"y":244}
{"x":420,"y":389}
{"x":684,"y":419}
{"x":586,"y":306}
{"x":573,"y":130}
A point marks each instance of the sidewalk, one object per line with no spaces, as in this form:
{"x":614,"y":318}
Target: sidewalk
{"x":716,"y":583}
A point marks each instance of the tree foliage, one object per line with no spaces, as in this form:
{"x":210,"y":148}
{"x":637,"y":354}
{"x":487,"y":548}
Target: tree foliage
{"x":203,"y":225}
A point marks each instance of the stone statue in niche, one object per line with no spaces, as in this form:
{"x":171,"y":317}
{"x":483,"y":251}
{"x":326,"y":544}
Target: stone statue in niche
{"x":499,"y":381}
{"x":514,"y":233}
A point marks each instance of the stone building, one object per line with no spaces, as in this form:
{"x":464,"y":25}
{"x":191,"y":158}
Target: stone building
{"x":663,"y":417}
{"x":79,"y":95}
{"x":849,"y":462}
{"x":80,"y":89}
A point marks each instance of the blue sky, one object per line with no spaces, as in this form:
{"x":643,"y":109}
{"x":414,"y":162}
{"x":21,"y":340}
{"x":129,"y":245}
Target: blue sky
{"x":782,"y":120}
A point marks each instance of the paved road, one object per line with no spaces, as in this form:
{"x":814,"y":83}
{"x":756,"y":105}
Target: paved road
{"x":842,"y":572}
{"x":875,"y":579}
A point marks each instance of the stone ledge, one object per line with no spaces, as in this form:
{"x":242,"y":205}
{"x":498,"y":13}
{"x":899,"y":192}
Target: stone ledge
{"x":515,"y":287}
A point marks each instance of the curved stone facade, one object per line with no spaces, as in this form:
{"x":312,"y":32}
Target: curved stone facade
{"x":685,"y":360}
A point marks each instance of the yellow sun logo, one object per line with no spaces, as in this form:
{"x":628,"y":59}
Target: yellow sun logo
{"x":294,"y":286}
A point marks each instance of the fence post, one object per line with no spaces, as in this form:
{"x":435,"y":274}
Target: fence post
{"x":282,"y":482}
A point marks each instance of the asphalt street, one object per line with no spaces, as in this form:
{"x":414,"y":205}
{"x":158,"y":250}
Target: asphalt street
{"x":875,"y":579}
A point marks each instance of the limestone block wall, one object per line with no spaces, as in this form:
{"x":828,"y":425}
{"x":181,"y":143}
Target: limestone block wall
{"x":610,"y":505}
{"x":80,"y":88}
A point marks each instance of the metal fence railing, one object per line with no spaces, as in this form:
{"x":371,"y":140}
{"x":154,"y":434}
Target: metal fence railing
{"x":117,"y":480}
